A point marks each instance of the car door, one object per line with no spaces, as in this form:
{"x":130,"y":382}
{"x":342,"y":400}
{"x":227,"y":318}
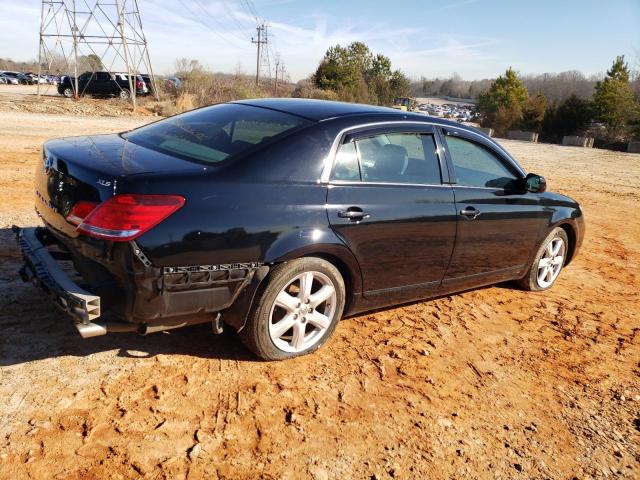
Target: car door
{"x":102,"y":84}
{"x":388,"y":203}
{"x":499,"y":222}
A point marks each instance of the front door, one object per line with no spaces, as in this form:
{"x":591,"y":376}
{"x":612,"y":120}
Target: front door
{"x":499,"y":223}
{"x":389,"y":205}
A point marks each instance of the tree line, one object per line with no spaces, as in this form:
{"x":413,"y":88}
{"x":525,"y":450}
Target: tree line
{"x":611,"y":112}
{"x":554,"y":86}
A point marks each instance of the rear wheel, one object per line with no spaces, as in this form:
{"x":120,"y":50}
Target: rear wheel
{"x":548,"y":263}
{"x":125,"y":94}
{"x":297,"y":311}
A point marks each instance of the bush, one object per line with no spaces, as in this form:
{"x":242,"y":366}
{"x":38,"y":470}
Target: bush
{"x":572,"y":117}
{"x":200,"y":88}
{"x":533,"y":113}
{"x":306,"y":89}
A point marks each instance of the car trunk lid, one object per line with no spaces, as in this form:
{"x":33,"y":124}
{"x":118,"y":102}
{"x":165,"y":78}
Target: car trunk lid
{"x":93,"y":169}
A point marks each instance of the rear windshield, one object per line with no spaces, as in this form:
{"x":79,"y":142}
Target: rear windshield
{"x":216,"y":133}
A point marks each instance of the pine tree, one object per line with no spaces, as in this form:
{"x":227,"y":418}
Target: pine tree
{"x":614,"y":102}
{"x":501,"y":106}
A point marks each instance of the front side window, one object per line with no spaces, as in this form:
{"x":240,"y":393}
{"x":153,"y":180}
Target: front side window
{"x":476,"y":166}
{"x":389,"y":158}
{"x":217,"y":133}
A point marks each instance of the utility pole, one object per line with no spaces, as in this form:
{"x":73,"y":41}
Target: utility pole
{"x":262,"y":39}
{"x":275,"y":89}
{"x":280,"y":74}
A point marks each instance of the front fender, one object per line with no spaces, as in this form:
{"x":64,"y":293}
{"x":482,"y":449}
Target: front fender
{"x":573,"y":218}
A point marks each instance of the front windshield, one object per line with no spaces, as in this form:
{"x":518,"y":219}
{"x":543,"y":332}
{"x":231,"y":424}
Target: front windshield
{"x":216,"y":133}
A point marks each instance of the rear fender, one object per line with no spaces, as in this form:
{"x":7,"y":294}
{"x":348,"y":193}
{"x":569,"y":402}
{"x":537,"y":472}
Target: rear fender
{"x":318,"y":242}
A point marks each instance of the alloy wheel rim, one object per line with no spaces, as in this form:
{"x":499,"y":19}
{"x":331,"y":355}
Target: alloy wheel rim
{"x":302,"y":312}
{"x":551,"y":262}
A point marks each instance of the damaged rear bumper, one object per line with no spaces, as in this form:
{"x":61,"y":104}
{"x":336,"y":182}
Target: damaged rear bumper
{"x":154,"y":298}
{"x":42,"y":269}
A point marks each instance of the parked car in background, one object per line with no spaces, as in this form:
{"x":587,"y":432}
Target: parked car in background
{"x":102,"y":84}
{"x":9,"y":80}
{"x":172,"y":83}
{"x":276,"y":217}
{"x":35,"y":79}
{"x":148,"y":83}
{"x":20,"y":77}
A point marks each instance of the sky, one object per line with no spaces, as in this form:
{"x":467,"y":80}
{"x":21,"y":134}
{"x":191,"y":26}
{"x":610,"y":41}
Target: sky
{"x":474,"y":38}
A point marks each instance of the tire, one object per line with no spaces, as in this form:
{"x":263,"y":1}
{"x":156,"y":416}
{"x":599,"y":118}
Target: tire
{"x":124,"y":94}
{"x":553,"y":255}
{"x":281,"y":303}
{"x":68,"y":92}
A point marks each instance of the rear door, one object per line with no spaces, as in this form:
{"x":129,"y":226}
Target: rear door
{"x":499,"y":223}
{"x":102,"y":84}
{"x":388,"y":203}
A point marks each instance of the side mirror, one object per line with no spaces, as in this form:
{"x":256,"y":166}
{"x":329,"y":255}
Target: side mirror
{"x":535,"y":183}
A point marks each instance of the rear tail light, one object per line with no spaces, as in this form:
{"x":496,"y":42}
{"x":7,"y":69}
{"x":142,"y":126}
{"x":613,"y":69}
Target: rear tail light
{"x":127,"y":216}
{"x":138,"y":84}
{"x":80,"y":211}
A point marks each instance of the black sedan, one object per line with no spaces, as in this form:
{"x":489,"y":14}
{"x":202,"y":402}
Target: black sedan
{"x":276,"y":218}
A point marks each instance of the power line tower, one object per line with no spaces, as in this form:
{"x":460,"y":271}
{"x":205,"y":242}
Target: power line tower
{"x":262,"y":57}
{"x":79,"y":35}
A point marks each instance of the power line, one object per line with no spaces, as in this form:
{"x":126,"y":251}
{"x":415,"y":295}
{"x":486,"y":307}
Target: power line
{"x":251,"y":9}
{"x":221,"y":25}
{"x":233,"y":17}
{"x":194,"y":16}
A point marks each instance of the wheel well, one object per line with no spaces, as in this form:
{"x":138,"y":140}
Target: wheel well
{"x":571,"y":235}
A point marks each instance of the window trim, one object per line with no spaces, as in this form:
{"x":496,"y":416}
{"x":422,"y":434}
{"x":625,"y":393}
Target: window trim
{"x":381,"y":128}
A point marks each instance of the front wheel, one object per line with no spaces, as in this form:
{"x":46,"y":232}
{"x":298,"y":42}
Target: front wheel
{"x":297,"y":311}
{"x":68,"y":92}
{"x":548,"y":263}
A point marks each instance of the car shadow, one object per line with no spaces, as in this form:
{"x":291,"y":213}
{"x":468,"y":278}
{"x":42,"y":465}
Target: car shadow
{"x":32,"y":328}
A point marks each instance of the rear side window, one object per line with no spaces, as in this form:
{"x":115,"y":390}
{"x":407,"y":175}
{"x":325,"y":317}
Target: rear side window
{"x":216,"y":133}
{"x":477,"y":166}
{"x":389,"y":158}
{"x":347,"y":167}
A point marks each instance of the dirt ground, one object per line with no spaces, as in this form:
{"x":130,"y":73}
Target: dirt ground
{"x":493,"y":383}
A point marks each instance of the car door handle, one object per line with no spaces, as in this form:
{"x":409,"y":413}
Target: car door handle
{"x":353,"y":213}
{"x":470,"y":212}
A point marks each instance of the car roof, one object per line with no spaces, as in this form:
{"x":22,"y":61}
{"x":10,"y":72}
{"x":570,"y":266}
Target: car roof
{"x":322,"y":110}
{"x":317,"y":110}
